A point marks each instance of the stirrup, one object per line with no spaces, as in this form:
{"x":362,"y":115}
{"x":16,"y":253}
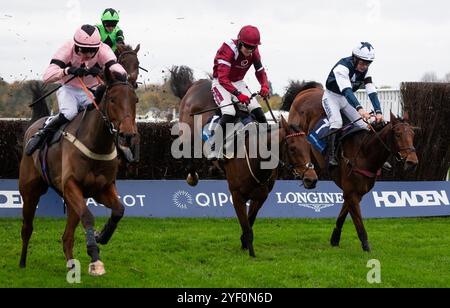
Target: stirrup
{"x":333,"y":162}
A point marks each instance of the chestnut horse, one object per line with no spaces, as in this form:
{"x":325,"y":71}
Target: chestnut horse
{"x":127,"y":57}
{"x":247,"y":181}
{"x":361,"y":156}
{"x":82,"y":164}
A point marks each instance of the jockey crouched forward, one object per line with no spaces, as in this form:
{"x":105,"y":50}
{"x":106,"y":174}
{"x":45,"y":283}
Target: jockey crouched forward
{"x":85,"y":56}
{"x":231,"y":63}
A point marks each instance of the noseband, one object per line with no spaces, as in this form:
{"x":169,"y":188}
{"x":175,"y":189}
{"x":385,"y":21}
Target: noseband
{"x":293,"y":167}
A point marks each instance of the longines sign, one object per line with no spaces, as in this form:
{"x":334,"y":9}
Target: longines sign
{"x":212,"y":199}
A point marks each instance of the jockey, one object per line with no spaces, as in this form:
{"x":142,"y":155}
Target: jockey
{"x":110,"y":32}
{"x":85,"y":56}
{"x":231,"y":63}
{"x":347,"y":76}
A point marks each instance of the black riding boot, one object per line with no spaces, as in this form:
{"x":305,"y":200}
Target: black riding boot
{"x":226,"y":118}
{"x":39,"y":137}
{"x":332,"y":161}
{"x":258,"y":113}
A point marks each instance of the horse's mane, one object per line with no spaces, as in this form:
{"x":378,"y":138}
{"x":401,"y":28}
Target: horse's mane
{"x":124,"y":48}
{"x":40,"y":108}
{"x":294,"y":88}
{"x":181,"y":79}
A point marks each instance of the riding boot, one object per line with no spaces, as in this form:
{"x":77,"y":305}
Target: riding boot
{"x":42,"y":134}
{"x":226,"y":118}
{"x":258,"y":113}
{"x":332,"y":161}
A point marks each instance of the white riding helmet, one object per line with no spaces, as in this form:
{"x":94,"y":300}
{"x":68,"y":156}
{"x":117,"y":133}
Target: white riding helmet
{"x":364,"y":51}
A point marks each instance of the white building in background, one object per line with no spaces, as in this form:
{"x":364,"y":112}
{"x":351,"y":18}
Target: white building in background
{"x":390,"y":100}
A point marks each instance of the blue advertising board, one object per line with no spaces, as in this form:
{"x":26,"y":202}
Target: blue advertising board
{"x":212,"y":199}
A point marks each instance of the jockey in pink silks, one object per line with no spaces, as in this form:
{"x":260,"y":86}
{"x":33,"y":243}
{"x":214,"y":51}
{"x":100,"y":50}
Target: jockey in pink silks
{"x":85,"y":57}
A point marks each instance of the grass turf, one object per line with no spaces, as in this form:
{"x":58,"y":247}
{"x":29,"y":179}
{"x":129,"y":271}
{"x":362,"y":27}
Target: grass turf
{"x":413,"y":252}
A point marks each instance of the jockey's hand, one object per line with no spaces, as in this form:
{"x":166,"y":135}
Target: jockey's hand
{"x":77,"y":71}
{"x":244,"y":99}
{"x":364,"y":114}
{"x":94,"y":71}
{"x":264,"y":92}
{"x":379,"y":118}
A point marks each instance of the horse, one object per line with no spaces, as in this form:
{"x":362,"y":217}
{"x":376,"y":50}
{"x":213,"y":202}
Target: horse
{"x":127,"y":57}
{"x":247,"y":180}
{"x":82,"y":164}
{"x":360,"y":157}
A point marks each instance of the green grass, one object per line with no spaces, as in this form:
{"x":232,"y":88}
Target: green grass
{"x":206,"y":253}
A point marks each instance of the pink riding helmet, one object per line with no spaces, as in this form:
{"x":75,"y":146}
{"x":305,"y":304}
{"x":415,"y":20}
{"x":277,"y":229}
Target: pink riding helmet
{"x":87,"y":36}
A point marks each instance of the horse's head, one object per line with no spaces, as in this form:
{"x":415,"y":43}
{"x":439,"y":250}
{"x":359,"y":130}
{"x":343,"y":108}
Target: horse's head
{"x":127,"y":57}
{"x":298,"y":152}
{"x":119,"y":107}
{"x":403,"y":136}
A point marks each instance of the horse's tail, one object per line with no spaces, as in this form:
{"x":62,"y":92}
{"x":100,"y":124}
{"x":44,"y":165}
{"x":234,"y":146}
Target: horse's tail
{"x":181,"y":79}
{"x":294,"y":88}
{"x":40,"y":108}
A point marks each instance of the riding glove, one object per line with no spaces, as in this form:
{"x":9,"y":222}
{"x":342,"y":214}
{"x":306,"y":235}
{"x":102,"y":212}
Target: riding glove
{"x":244,"y":99}
{"x":77,"y":71}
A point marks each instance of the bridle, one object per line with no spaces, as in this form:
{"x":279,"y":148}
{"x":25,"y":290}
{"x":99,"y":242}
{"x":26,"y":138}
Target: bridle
{"x":121,"y":56}
{"x":398,"y":155}
{"x":293,"y":168}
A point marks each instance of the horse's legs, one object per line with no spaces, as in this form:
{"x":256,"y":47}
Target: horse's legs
{"x":336,"y":236}
{"x":255,"y":206}
{"x":355,"y":211}
{"x":68,"y":238}
{"x":74,"y":198}
{"x":109,"y":199}
{"x":247,"y":232}
{"x":31,"y":191}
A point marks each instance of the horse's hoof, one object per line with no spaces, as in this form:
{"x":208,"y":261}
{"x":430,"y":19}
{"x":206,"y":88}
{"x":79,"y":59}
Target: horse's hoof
{"x":366,"y":247}
{"x":335,"y":238}
{"x":192,"y":179}
{"x":97,"y":268}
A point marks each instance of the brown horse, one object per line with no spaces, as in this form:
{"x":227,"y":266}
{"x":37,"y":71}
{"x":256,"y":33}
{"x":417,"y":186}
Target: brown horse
{"x":247,"y":180}
{"x":127,"y":57}
{"x":82,"y":164}
{"x":361,"y":156}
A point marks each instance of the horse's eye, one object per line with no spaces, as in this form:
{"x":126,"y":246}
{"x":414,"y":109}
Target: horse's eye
{"x":397,"y":135}
{"x":292,"y":149}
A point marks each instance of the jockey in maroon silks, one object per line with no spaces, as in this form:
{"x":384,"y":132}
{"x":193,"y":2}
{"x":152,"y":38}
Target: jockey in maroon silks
{"x":231,"y":63}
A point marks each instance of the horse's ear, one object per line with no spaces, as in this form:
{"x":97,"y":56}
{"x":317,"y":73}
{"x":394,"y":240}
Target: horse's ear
{"x":393,"y":117}
{"x":137,"y":48}
{"x":406,"y":116}
{"x":284,"y":123}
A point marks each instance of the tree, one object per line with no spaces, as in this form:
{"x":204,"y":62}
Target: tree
{"x":429,"y":77}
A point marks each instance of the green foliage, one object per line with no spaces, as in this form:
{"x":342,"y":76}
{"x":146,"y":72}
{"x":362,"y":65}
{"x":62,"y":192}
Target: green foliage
{"x":180,"y":253}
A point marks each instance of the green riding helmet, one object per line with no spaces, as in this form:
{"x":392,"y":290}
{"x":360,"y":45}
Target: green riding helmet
{"x":110,"y":15}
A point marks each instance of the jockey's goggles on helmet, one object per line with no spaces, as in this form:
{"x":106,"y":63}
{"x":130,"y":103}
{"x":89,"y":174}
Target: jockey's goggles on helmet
{"x":110,"y":23}
{"x":365,"y":62}
{"x":85,"y":49}
{"x":249,"y":47}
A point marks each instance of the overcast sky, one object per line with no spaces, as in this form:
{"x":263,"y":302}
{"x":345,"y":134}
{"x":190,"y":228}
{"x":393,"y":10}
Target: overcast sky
{"x":300,"y":39}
